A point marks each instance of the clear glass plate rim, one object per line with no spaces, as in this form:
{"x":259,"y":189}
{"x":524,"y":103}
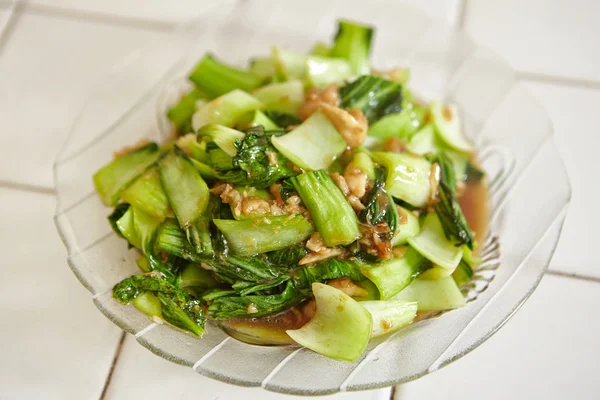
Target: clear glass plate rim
{"x":558,"y":219}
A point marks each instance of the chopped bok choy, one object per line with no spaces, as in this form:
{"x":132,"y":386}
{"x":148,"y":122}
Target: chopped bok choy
{"x":226,"y":109}
{"x":113,"y":178}
{"x":390,"y":316}
{"x":332,"y":214}
{"x":253,"y":236}
{"x":308,"y":198}
{"x":313,"y":145}
{"x":433,"y":295}
{"x":341,"y":327}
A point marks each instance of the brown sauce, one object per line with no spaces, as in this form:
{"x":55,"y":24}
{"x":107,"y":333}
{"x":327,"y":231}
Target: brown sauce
{"x":474,"y":203}
{"x":271,"y":330}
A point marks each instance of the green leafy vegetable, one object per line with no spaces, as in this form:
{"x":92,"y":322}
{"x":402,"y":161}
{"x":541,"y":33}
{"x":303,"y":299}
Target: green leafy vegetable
{"x":245,"y":288}
{"x":178,"y":308}
{"x":433,"y":245}
{"x":188,"y":195}
{"x":181,"y":113}
{"x":328,"y":269}
{"x":217,"y":158}
{"x":288,"y":65}
{"x":332,"y":215}
{"x":322,"y":71}
{"x":408,"y":226}
{"x":114,"y":177}
{"x":407,"y":176}
{"x":282,"y":119}
{"x":321,"y":49}
{"x":288,"y":257}
{"x":448,"y":209}
{"x":363,"y":162}
{"x":252,"y":165}
{"x":447,"y":174}
{"x":340,"y":328}
{"x":225,"y":110}
{"x":393,"y":275}
{"x":130,"y":288}
{"x":263,"y":67}
{"x":172,"y":239}
{"x":256,"y":118}
{"x":298,"y":287}
{"x":285,"y":97}
{"x":140,"y":229}
{"x":353,"y":43}
{"x":187,"y":316}
{"x":312,"y":145}
{"x":185,"y":188}
{"x":254,"y":305}
{"x":116,"y":215}
{"x":193,"y":275}
{"x":390,"y":316}
{"x":263,"y":234}
{"x":143,"y":263}
{"x":199,"y":233}
{"x":147,"y":193}
{"x":148,"y":303}
{"x":448,"y":126}
{"x":375,"y":97}
{"x":462,"y":274}
{"x":473,"y":174}
{"x":252,"y":269}
{"x":215,"y":78}
{"x":194,"y":149}
{"x":433,"y":295}
{"x":403,"y":124}
{"x":379,"y":206}
{"x":223,"y":137}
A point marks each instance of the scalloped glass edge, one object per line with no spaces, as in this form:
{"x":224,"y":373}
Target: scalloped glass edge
{"x":504,"y":179}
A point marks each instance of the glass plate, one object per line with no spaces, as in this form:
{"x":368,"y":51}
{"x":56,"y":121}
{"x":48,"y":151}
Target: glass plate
{"x":529,"y":188}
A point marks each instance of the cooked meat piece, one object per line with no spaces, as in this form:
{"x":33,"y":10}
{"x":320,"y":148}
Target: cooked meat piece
{"x":356,"y":180}
{"x":315,"y":243}
{"x":255,"y":205}
{"x":341,"y":182}
{"x":315,"y":97}
{"x":328,"y":252}
{"x":355,"y":202}
{"x":394,"y":145}
{"x":351,"y":124}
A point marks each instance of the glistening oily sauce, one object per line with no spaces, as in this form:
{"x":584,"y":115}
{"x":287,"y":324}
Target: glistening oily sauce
{"x":271,"y":330}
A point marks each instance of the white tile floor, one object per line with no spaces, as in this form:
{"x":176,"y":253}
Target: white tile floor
{"x":46,"y":69}
{"x":140,"y":374}
{"x":548,"y":350}
{"x":54,"y":344}
{"x":558,"y":37}
{"x":575,"y":115}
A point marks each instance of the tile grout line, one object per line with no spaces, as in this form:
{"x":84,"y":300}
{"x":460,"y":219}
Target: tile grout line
{"x":112,"y":366}
{"x":533,"y":76}
{"x":164,"y":25}
{"x":25,"y":187}
{"x":9,"y":27}
{"x":573,"y":275}
{"x":462,"y":14}
{"x":99,"y":17}
{"x":558,"y":80}
{"x":394,"y":391}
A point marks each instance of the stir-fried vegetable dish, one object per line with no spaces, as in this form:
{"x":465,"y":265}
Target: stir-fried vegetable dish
{"x":306,"y":191}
